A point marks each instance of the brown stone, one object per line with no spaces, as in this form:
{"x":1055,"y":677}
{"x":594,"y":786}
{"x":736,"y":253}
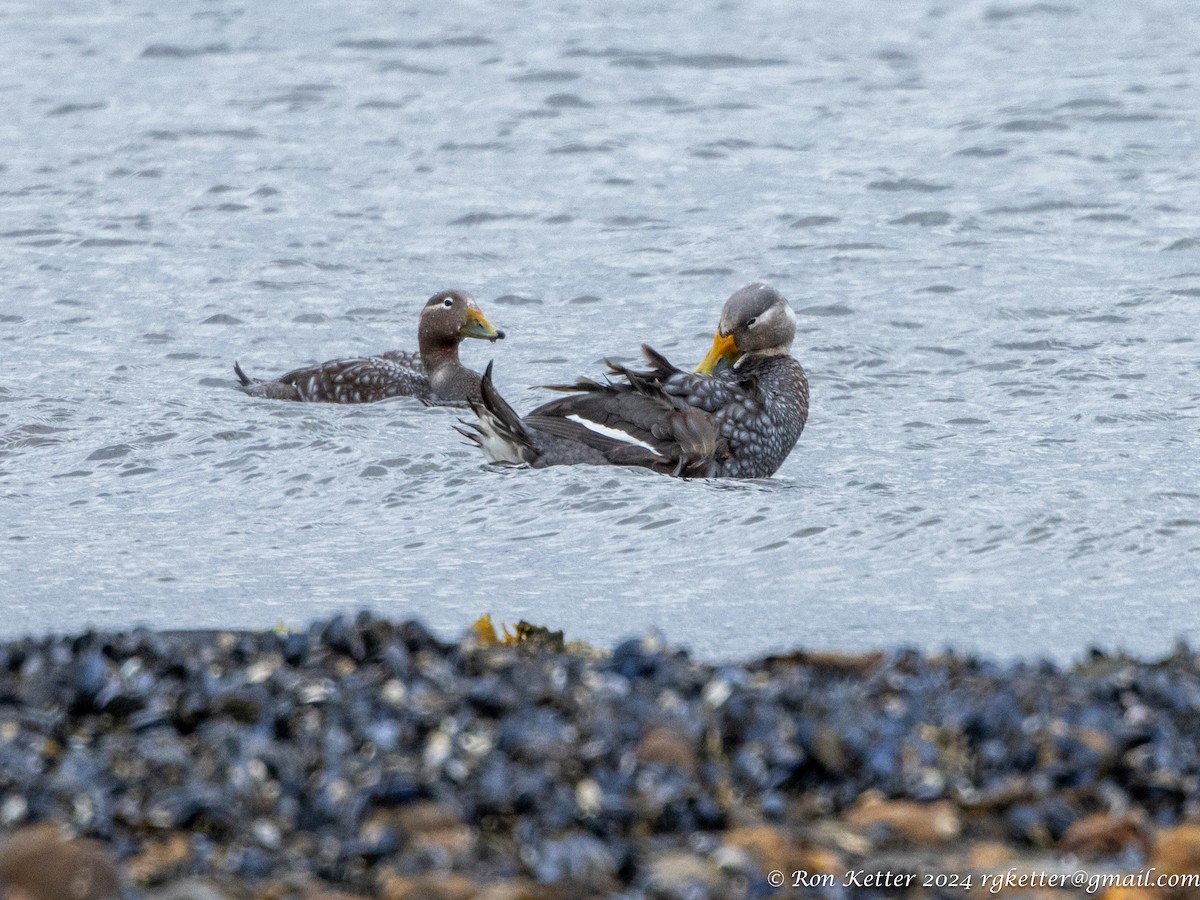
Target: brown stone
{"x":435,"y":829}
{"x":1177,"y":850}
{"x":1096,"y":740}
{"x":916,"y":824}
{"x":774,"y":849}
{"x":1104,"y":834}
{"x":828,"y":750}
{"x":442,"y":886}
{"x":188,"y":889}
{"x":832,"y":663}
{"x":678,"y":871}
{"x":45,"y":864}
{"x":834,"y":834}
{"x":668,"y":747}
{"x":425,"y":816}
{"x":770,"y":847}
{"x":520,"y":889}
{"x":159,"y":860}
{"x":988,"y":855}
{"x":454,"y":842}
{"x":820,"y":860}
{"x":273,"y":889}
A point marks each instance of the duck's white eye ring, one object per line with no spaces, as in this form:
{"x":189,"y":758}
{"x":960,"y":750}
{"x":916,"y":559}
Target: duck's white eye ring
{"x":752,"y":322}
{"x":448,"y":302}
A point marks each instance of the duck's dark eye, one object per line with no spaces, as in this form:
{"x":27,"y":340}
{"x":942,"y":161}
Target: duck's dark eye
{"x":448,"y":302}
{"x":750,"y":324}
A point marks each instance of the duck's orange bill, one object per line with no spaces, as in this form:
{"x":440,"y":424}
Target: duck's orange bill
{"x":477,"y":326}
{"x":724,"y":349}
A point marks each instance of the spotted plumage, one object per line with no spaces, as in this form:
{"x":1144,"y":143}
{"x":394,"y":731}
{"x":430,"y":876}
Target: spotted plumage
{"x":433,"y":374}
{"x":737,"y":416}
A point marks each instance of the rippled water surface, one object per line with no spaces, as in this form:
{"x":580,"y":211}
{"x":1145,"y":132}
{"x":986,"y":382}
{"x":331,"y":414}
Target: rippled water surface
{"x":986,"y":215}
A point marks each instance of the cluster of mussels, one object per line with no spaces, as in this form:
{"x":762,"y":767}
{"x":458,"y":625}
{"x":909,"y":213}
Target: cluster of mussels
{"x":367,"y":758}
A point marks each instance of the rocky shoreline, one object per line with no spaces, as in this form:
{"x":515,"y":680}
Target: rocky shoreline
{"x":364,"y":758}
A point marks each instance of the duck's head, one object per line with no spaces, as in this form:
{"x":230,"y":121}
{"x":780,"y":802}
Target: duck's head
{"x":450,"y":316}
{"x":755,"y":321}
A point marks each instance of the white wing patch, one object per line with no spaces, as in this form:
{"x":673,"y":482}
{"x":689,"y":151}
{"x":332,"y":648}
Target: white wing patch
{"x":612,"y":433}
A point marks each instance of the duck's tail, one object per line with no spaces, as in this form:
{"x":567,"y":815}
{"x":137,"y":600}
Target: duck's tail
{"x":499,"y":431}
{"x":245,"y":379}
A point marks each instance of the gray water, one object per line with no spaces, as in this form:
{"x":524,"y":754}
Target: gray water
{"x":985,"y":214}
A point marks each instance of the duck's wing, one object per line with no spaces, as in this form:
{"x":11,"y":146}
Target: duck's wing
{"x":551,"y":439}
{"x":637,"y":421}
{"x":626,"y":431}
{"x":357,"y":380}
{"x":409,"y":359}
{"x":711,"y":393}
{"x":685,"y":389}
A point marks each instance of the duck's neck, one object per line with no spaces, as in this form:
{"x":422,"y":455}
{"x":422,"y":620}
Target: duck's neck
{"x":437,"y":352}
{"x":768,"y":353}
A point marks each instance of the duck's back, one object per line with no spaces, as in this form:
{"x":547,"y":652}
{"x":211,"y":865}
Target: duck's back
{"x":396,"y":373}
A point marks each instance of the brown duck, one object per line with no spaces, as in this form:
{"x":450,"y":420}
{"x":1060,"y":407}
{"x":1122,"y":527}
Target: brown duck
{"x":433,"y":374}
